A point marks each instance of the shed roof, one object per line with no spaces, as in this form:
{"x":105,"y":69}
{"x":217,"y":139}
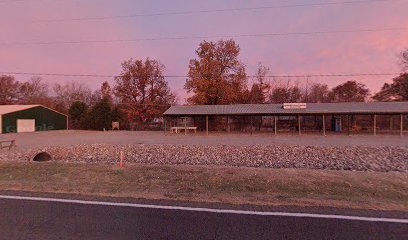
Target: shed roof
{"x":277,"y":109}
{"x":5,"y":109}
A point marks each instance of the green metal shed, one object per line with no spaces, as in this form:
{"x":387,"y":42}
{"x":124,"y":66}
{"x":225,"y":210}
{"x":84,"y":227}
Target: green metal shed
{"x":30,"y":118}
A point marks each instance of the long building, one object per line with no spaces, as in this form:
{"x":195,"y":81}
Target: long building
{"x":30,"y":118}
{"x":335,"y":117}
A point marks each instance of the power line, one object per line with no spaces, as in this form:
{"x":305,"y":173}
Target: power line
{"x":59,"y":74}
{"x":207,"y":37}
{"x":321,"y":4}
{"x":330,"y":75}
{"x":185,"y":76}
{"x":30,"y":1}
{"x":13,"y":1}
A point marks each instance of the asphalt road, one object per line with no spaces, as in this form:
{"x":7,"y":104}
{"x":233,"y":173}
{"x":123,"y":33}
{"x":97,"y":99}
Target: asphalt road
{"x":28,"y":219}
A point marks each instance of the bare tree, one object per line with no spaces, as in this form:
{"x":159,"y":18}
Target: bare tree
{"x":71,"y":92}
{"x":9,"y":90}
{"x":260,"y":87}
{"x":35,"y":91}
{"x":286,"y":92}
{"x":316,"y":93}
{"x":106,"y":91}
{"x":404,"y":60}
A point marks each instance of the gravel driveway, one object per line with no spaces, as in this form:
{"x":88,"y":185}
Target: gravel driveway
{"x":70,"y":138}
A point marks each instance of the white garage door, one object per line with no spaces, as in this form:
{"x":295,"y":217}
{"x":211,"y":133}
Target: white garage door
{"x":25,"y":125}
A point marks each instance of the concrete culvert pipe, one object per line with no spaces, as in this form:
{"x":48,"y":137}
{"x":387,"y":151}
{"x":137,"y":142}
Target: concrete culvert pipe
{"x":42,"y":157}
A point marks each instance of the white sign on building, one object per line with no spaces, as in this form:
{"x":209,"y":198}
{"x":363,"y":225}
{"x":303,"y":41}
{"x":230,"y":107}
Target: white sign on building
{"x":294,"y":106}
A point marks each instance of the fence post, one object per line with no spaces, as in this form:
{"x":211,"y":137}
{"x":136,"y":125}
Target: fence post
{"x":300,"y":133}
{"x":206,"y":124}
{"x":276,"y":125}
{"x":164,"y":120}
{"x":375,"y":124}
{"x":402,"y":125}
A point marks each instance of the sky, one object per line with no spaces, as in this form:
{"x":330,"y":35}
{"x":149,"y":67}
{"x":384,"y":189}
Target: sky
{"x":28,"y":21}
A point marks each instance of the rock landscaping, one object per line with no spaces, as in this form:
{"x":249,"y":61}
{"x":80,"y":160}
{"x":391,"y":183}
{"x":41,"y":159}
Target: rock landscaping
{"x":356,"y":158}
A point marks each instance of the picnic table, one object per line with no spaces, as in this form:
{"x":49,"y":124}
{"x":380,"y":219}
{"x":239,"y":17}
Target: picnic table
{"x":180,"y":129}
{"x":9,"y":144}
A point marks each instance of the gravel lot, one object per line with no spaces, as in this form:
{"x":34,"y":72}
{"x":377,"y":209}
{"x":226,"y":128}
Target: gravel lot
{"x":70,"y":138}
{"x":337,"y":152}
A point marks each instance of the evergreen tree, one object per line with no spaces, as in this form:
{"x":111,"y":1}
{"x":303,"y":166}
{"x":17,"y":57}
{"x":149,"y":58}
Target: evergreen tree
{"x":78,"y":115}
{"x":100,"y":117}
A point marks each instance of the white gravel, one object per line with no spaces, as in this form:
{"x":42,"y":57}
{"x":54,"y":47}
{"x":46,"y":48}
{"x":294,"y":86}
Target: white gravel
{"x":356,"y":158}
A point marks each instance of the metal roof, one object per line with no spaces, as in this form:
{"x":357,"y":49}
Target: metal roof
{"x":4,"y":109}
{"x":277,"y":109}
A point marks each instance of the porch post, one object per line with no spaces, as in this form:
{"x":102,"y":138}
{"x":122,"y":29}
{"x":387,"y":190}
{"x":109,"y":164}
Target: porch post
{"x":324,"y":125}
{"x":185,"y":125}
{"x":171,"y":123}
{"x":206,"y":125}
{"x":228,"y":124}
{"x":276,"y":125}
{"x":352,"y":122}
{"x":390,"y":123}
{"x":375,"y":124}
{"x":401,"y":124}
{"x":164,"y":120}
{"x":348,"y":125}
{"x":300,"y":133}
{"x":252,"y":120}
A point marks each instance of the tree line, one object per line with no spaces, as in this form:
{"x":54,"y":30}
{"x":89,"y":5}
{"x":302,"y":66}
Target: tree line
{"x":216,"y":75}
{"x":138,"y":98}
